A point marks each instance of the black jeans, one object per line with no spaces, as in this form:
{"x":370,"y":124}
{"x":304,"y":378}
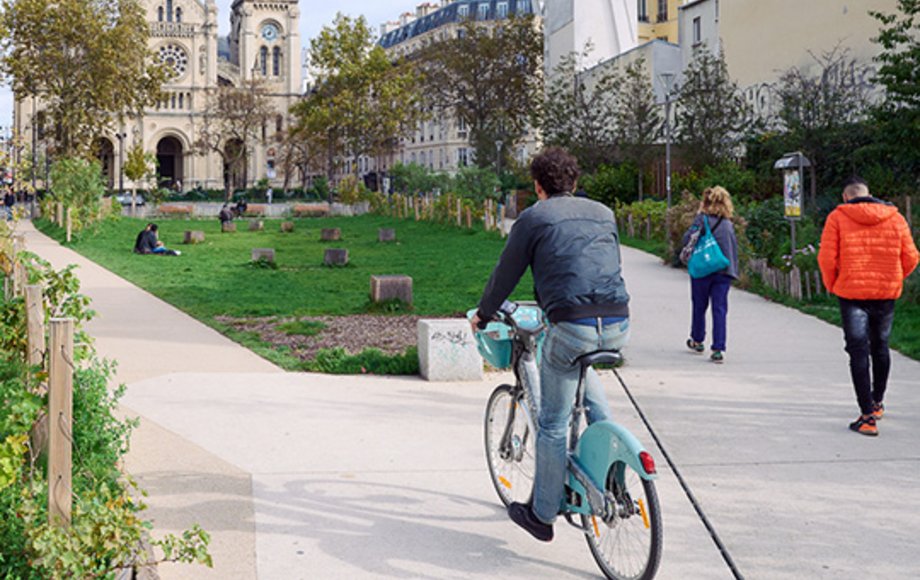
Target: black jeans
{"x":866,"y":328}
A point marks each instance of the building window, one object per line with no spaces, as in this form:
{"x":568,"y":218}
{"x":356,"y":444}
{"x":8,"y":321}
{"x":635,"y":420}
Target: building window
{"x":160,"y":14}
{"x":263,"y":60}
{"x":279,"y":124}
{"x":173,"y":102}
{"x":181,"y":100}
{"x":643,"y":11}
{"x":697,"y":31}
{"x":169,"y":10}
{"x":276,"y":61}
{"x":463,"y":11}
{"x":463,"y":157}
{"x":501,"y":10}
{"x":662,"y":10}
{"x":482,"y":11}
{"x":522,"y":7}
{"x":178,"y":15}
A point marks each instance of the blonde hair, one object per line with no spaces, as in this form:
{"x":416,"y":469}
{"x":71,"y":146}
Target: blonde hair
{"x":717,"y":201}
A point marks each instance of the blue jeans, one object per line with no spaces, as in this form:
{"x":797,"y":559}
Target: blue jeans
{"x":713,"y":288}
{"x":558,"y":382}
{"x":866,"y":328}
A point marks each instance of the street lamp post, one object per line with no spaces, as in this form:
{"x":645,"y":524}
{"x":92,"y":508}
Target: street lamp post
{"x":498,"y":157}
{"x":668,"y":79}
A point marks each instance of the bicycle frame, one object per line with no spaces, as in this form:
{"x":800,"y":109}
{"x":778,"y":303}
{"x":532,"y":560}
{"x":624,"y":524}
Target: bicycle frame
{"x":591,"y":452}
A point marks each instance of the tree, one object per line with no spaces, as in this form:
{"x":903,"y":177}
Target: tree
{"x":821,"y":113}
{"x":86,"y":61}
{"x":137,"y":168}
{"x":898,"y":117}
{"x":711,"y":112}
{"x":580,"y":115}
{"x":490,"y":76}
{"x":363,"y":103}
{"x":638,"y":121}
{"x":233,"y":120}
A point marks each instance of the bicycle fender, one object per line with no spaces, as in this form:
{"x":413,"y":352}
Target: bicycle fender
{"x":601,"y":445}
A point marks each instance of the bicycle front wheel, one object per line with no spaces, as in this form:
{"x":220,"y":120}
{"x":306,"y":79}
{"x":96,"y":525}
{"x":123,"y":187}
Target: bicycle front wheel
{"x":627,"y":544}
{"x":510,"y":445}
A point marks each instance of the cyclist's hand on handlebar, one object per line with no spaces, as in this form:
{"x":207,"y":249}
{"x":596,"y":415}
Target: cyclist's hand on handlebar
{"x":475,"y":321}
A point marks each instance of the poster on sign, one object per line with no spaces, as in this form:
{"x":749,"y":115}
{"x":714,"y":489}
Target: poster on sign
{"x":792,"y":192}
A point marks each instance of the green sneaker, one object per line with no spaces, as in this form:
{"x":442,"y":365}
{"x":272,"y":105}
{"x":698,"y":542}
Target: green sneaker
{"x":695,"y":346}
{"x":717,"y":357}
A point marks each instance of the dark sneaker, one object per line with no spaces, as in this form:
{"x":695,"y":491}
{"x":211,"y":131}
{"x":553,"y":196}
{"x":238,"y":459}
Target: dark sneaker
{"x":695,"y":346}
{"x":878,"y":411}
{"x":522,"y":515}
{"x":717,"y":357}
{"x":865,"y":426}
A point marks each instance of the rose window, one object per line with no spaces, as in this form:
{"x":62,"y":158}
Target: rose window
{"x":174,"y":58}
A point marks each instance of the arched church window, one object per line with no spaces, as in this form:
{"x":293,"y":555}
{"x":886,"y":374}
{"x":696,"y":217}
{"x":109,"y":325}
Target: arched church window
{"x":276,"y":61}
{"x":178,"y":15}
{"x":160,"y":14}
{"x":169,"y":10}
{"x":263,"y":60}
{"x":181,"y":100}
{"x":173,"y":102}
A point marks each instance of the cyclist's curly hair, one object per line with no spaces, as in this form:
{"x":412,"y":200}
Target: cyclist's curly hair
{"x":555,"y":170}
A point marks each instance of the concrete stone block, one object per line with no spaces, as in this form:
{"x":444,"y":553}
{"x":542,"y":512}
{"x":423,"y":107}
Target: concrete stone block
{"x":335,"y":257}
{"x":256,"y":226}
{"x":331,"y":235}
{"x":194,"y":237}
{"x":447,"y":351}
{"x":386,"y":235}
{"x":385,"y":288}
{"x":263,"y":253}
{"x":287,"y":227}
{"x":228,"y":227}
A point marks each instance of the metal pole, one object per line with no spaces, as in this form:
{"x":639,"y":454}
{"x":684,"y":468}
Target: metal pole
{"x":121,"y":163}
{"x":667,"y":145}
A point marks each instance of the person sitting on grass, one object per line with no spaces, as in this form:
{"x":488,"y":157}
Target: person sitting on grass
{"x":148,"y":243}
{"x":225,"y":215}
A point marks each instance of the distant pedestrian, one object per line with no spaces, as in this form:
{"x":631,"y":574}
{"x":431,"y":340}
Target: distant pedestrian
{"x":9,"y":200}
{"x":716,"y":210}
{"x":866,"y":253}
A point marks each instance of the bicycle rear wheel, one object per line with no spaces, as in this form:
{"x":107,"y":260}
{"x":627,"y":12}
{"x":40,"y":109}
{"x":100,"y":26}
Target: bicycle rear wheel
{"x":627,"y":545}
{"x":510,"y":442}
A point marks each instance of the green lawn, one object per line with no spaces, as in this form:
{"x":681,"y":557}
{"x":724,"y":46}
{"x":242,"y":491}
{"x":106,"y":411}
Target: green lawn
{"x":449,"y":267}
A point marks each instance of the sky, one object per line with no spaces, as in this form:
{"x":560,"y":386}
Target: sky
{"x":314,"y":14}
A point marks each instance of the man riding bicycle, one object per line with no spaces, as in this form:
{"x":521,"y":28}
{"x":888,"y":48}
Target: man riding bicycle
{"x":571,"y":245}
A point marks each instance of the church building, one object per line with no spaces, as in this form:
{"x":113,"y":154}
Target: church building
{"x":263,"y":44}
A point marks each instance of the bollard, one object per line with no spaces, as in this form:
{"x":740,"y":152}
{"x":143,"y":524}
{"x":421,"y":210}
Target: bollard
{"x":60,"y":421}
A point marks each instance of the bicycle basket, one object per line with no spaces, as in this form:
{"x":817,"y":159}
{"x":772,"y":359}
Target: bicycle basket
{"x":495,"y":341}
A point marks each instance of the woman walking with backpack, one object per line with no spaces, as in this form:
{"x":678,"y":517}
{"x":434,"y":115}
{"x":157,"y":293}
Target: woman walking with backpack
{"x":711,"y":274}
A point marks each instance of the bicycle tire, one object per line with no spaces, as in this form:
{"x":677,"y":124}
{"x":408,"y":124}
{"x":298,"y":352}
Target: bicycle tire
{"x":511,"y":470}
{"x":628,"y":548}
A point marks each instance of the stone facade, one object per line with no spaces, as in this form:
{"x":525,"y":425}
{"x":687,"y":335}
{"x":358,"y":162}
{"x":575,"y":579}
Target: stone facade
{"x":264,"y":43}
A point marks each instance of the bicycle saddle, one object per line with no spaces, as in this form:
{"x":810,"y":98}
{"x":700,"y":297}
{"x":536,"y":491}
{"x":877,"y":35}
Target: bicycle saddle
{"x":600,"y":357}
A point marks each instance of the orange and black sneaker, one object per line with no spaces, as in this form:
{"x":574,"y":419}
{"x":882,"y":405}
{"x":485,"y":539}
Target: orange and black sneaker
{"x":865,"y":426}
{"x":878,"y":411}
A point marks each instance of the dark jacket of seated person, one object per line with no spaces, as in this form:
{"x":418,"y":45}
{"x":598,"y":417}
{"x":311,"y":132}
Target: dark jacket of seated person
{"x":146,"y":242}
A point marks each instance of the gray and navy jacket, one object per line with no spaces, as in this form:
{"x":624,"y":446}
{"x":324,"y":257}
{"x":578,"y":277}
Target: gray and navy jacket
{"x":572,"y":247}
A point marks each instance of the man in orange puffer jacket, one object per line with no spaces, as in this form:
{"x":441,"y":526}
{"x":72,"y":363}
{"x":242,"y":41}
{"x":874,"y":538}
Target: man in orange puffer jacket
{"x":866,"y":253}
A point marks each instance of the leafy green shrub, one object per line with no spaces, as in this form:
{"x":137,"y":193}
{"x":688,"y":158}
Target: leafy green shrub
{"x":78,"y":185}
{"x":337,"y":361}
{"x":612,"y":184}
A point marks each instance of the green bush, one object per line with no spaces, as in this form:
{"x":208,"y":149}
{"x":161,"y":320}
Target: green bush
{"x":337,"y":361}
{"x":612,"y":184}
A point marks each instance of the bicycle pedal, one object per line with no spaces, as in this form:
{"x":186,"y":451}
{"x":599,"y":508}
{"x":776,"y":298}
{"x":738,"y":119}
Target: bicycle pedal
{"x":573,"y":523}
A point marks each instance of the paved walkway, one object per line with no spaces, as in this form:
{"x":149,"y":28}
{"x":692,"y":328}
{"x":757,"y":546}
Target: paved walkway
{"x":312,"y":476}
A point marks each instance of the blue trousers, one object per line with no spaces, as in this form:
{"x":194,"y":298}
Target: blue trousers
{"x":703,"y":291}
{"x":558,"y":382}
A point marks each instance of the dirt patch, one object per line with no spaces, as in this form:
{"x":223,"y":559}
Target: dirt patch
{"x":390,"y":334}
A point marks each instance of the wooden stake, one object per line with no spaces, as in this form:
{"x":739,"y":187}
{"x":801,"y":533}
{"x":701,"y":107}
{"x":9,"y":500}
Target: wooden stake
{"x":415,"y":205}
{"x":60,"y":420}
{"x":60,"y":214}
{"x":35,"y":325}
{"x":19,"y":272}
{"x":459,"y":213}
{"x":469,"y":218}
{"x":69,"y":226}
{"x":908,"y":213}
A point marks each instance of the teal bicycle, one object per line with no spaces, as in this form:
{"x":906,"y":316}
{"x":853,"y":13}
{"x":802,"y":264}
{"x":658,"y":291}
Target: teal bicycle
{"x":610,"y":487}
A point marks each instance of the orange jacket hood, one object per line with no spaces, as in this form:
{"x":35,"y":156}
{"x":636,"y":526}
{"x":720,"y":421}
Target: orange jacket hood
{"x":869,"y":212}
